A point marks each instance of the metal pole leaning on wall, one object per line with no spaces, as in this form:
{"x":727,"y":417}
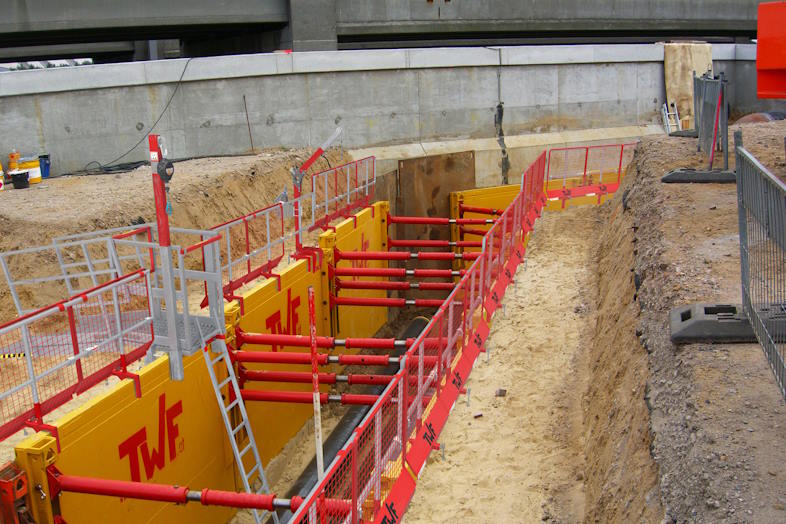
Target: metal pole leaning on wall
{"x":712,"y":124}
{"x":761,"y":199}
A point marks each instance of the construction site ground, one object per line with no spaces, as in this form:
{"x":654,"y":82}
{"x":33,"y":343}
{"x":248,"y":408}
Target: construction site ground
{"x":604,"y":419}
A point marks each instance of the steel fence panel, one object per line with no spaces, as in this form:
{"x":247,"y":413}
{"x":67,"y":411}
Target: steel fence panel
{"x":64,"y":349}
{"x":761,"y":201}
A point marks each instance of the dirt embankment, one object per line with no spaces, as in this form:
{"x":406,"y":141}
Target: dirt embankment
{"x":622,"y":479}
{"x":204,"y":192}
{"x":716,"y":413}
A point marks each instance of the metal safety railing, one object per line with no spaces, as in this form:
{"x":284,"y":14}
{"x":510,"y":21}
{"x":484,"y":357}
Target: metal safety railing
{"x":396,"y":436}
{"x":62,"y":350}
{"x":337,"y":192}
{"x":84,"y":261}
{"x":761,"y":199}
{"x":588,"y":165}
{"x":251,"y":247}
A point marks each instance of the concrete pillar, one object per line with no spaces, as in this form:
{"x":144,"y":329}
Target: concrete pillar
{"x":312,"y":25}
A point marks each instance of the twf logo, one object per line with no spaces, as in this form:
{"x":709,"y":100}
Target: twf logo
{"x":273,"y":322}
{"x":355,"y":264}
{"x":168,"y":434}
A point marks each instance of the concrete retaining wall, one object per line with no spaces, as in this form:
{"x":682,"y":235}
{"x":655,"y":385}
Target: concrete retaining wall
{"x":380,"y":97}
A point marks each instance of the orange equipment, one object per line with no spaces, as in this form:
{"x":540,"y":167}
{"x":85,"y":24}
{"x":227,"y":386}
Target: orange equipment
{"x":771,"y":50}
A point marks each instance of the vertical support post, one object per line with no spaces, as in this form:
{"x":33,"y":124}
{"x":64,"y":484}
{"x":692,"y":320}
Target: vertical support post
{"x":74,"y":342}
{"x":354,"y":465}
{"x":377,"y":459}
{"x":159,"y":191}
{"x":724,"y":121}
{"x":315,"y":384}
{"x":176,"y":371}
{"x":403,"y":400}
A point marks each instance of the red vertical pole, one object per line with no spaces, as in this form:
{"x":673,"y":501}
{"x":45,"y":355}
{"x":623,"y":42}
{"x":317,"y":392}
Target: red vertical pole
{"x":586,"y":160}
{"x":313,"y":335}
{"x":619,"y":169}
{"x":404,"y":385}
{"x":312,"y":321}
{"x":159,"y":193}
{"x":354,"y":451}
{"x":440,"y":348}
{"x":74,"y":341}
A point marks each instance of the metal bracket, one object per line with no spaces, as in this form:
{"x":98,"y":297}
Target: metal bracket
{"x":297,"y":177}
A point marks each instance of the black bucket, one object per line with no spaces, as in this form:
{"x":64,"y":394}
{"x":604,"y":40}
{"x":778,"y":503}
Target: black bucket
{"x":20,"y":180}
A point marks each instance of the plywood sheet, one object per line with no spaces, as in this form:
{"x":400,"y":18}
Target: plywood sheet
{"x":425,"y":185}
{"x":424,"y":188}
{"x":680,"y":60}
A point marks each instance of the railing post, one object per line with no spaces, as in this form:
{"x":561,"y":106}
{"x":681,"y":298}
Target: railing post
{"x":354,"y":465}
{"x":74,"y":342}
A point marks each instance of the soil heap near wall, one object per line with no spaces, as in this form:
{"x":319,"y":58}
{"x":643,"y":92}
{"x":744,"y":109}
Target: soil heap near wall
{"x":204,"y":193}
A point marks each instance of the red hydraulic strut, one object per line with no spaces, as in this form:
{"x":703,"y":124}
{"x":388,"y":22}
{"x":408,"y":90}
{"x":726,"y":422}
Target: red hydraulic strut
{"x":305,"y":397}
{"x":279,"y":357}
{"x":472,"y":231}
{"x":385,"y":302}
{"x":402,"y":255}
{"x":178,"y":494}
{"x":480,"y":210}
{"x":393,"y":285}
{"x":303,"y":377}
{"x":434,"y":243}
{"x":438,"y":221}
{"x":243,"y":337}
{"x":396,"y":272}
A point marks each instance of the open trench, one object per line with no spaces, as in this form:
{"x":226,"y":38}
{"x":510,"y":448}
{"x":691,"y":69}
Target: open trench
{"x":569,"y":440}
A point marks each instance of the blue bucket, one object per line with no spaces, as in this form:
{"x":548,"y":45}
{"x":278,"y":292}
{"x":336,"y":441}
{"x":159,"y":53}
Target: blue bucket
{"x":45,"y":163}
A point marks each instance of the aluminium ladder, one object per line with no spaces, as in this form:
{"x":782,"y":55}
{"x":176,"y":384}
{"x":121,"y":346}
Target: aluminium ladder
{"x":671,"y":120}
{"x":236,"y":432}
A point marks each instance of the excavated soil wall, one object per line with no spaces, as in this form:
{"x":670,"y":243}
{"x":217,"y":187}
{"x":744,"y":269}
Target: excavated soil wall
{"x":204,"y":192}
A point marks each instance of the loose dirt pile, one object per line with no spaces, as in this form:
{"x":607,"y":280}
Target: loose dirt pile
{"x":204,"y":192}
{"x":717,"y":415}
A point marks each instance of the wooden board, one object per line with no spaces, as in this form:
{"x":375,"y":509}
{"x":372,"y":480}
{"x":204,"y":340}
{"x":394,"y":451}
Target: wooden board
{"x":425,"y":184}
{"x":424,"y":187}
{"x":680,"y":60}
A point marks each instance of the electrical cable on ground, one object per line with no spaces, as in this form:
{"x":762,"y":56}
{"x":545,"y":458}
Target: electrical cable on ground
{"x":108,"y":167}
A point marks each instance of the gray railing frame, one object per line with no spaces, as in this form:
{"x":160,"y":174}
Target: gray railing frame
{"x":761,"y":199}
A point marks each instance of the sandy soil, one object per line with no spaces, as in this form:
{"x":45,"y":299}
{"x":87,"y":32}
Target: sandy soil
{"x":523,"y":459}
{"x":716,"y":412}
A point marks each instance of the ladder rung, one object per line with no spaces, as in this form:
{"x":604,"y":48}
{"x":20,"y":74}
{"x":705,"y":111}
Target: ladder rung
{"x":245,"y":450}
{"x":232,"y":404}
{"x":251,"y":472}
{"x":237,"y":429}
{"x":225,"y":382}
{"x":216,"y":360}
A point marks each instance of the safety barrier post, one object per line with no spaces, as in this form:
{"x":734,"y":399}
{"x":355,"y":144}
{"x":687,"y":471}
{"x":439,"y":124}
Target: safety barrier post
{"x":315,"y":384}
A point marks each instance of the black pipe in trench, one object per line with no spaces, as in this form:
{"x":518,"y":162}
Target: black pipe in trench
{"x":343,"y":430}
